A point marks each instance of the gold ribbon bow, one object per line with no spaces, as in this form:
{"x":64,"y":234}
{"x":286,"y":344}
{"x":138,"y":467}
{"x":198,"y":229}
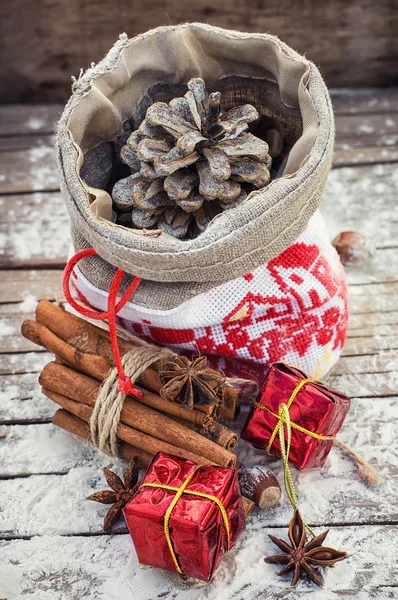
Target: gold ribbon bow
{"x":179,"y":492}
{"x":283,"y":418}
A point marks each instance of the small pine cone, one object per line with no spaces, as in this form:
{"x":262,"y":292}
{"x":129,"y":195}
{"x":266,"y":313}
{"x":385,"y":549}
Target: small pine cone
{"x":190,"y":162}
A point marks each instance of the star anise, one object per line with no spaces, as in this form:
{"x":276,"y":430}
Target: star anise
{"x":302,"y":555}
{"x":120,"y":494}
{"x":190,"y":383}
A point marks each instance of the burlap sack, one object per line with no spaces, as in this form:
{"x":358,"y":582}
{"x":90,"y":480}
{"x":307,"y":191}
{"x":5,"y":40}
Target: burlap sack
{"x":110,"y":99}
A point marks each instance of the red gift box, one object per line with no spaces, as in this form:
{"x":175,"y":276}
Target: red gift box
{"x":315,"y":412}
{"x":200,"y":529}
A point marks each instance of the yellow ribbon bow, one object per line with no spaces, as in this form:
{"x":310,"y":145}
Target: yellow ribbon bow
{"x":179,"y":492}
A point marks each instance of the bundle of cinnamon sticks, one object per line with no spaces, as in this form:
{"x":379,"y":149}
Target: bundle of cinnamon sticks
{"x":83,"y":360}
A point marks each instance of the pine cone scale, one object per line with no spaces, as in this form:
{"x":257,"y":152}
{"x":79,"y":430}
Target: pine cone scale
{"x":246,"y":145}
{"x":149,"y":149}
{"x":193,"y":109}
{"x":179,"y":184}
{"x":168,"y":164}
{"x":187,"y":142}
{"x":219,"y":166}
{"x":161,"y":115}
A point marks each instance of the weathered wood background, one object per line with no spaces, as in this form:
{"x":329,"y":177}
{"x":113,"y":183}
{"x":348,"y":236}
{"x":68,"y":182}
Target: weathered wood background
{"x":52,"y":546}
{"x":43,"y":42}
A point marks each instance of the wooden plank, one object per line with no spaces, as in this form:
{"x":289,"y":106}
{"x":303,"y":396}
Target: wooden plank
{"x":369,"y":345}
{"x":75,"y":567}
{"x":40,"y":119}
{"x":367,"y":130}
{"x":29,"y":161}
{"x":28,"y":449}
{"x":29,"y":119}
{"x":43,"y":283}
{"x":25,"y":143}
{"x":382,"y":104}
{"x":363,"y":385}
{"x":362,"y":320}
{"x":335,"y":36}
{"x":361,"y":138}
{"x":21,"y":284}
{"x":29,"y":362}
{"x":35,"y":231}
{"x":375,"y":330}
{"x":22,"y":400}
{"x":373,"y":297}
{"x":11,"y":317}
{"x":29,"y":165}
{"x":352,"y":101}
{"x":382,"y":362}
{"x":38,"y":494}
{"x":363,"y":199}
{"x":346,"y":155}
{"x":366,"y":138}
{"x":13,"y":342}
{"x":382,"y":268}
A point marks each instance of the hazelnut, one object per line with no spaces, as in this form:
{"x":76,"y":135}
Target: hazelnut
{"x":260,"y":485}
{"x":353,"y":248}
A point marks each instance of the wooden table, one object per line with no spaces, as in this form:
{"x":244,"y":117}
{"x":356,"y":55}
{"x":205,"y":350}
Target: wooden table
{"x":52,"y":543}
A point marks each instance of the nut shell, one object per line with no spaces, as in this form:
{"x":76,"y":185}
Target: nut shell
{"x":260,"y":485}
{"x":353,"y":248}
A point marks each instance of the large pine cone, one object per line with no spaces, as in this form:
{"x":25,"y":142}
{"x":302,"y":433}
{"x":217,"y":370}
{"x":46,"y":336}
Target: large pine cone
{"x":190,"y":162}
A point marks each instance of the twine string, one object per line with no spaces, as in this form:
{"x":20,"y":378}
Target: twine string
{"x":105,"y":419}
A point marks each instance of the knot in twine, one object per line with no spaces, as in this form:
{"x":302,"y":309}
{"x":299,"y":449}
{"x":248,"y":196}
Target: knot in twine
{"x":105,"y":419}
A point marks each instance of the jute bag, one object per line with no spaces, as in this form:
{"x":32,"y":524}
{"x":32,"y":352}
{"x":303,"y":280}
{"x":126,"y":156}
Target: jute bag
{"x":262,"y":282}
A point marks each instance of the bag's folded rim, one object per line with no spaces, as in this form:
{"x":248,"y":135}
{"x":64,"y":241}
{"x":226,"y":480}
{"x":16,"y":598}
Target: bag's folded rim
{"x":240,"y":239}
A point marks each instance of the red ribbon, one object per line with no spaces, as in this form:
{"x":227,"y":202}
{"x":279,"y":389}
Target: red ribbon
{"x":114,"y":307}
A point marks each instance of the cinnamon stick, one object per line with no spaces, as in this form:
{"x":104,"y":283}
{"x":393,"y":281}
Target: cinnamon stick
{"x":127,"y":434}
{"x":98,"y":367}
{"x":69,"y":422}
{"x":230,"y":403}
{"x":130,"y":436}
{"x":82,"y":388}
{"x":77,"y":332}
{"x":85,"y":336}
{"x":212,"y":430}
{"x":92,"y":340}
{"x":85,"y":389}
{"x":92,"y":364}
{"x":137,"y":415}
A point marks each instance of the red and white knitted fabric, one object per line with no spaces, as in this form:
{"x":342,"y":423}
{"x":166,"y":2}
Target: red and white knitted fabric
{"x":292,"y":309}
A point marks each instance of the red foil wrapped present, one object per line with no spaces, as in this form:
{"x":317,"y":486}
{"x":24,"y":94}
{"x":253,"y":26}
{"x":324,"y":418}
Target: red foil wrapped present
{"x":197,"y":529}
{"x":315,"y":408}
